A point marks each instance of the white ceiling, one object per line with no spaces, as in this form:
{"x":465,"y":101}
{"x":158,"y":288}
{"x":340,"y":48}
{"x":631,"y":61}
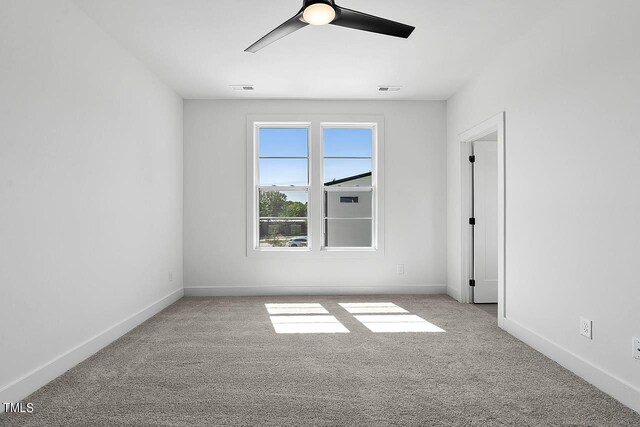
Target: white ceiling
{"x":197,"y":46}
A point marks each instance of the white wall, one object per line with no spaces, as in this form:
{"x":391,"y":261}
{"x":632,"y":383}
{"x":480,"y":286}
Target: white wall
{"x":571,"y":92}
{"x":90,"y":191}
{"x":215,"y":212}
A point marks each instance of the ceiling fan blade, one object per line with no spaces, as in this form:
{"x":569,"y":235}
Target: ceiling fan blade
{"x":283,"y":30}
{"x":361,"y":21}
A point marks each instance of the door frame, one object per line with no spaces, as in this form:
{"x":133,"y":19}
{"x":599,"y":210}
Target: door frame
{"x":494,"y":124}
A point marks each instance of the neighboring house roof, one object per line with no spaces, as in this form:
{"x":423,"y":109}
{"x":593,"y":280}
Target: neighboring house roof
{"x":350,"y":178}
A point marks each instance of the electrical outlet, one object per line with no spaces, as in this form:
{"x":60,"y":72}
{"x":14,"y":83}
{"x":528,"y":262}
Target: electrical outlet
{"x":585,"y":327}
{"x":401,"y":269}
{"x":171,"y":276}
{"x":636,"y":348}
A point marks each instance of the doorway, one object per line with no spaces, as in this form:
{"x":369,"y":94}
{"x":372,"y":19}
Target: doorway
{"x":482,"y":216}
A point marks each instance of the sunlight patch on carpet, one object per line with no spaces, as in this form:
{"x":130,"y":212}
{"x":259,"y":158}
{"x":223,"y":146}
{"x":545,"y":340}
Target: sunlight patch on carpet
{"x":397,"y":323}
{"x":307,"y":325}
{"x":372,"y":307}
{"x":296,"y":308}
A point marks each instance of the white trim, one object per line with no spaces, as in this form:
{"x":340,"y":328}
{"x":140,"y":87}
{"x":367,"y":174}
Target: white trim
{"x":616,"y":387}
{"x":494,"y":124}
{"x":315,"y":123}
{"x":254,"y":290}
{"x":39,"y":377}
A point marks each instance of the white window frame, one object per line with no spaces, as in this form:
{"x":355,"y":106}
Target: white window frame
{"x":315,"y":214}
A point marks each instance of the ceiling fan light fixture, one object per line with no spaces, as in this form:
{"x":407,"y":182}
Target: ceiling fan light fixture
{"x":323,"y":12}
{"x":319,"y":14}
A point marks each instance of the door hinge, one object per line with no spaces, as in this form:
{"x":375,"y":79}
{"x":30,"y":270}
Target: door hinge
{"x":472,"y":221}
{"x":472,"y":159}
{"x":472,"y":283}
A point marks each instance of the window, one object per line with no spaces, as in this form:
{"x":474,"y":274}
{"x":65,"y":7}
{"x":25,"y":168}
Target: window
{"x":314,"y":187}
{"x":283,"y":191}
{"x":348,"y":165}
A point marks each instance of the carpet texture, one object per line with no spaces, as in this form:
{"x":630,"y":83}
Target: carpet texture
{"x":218,"y":361}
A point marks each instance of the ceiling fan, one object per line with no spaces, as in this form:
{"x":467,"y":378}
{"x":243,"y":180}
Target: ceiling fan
{"x":323,"y":12}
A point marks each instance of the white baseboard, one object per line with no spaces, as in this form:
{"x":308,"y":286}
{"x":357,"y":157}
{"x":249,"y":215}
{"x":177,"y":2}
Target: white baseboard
{"x":615,"y":387}
{"x":27,"y":384}
{"x":236,"y":291}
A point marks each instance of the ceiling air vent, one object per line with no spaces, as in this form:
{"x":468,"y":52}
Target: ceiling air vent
{"x":389,"y":88}
{"x":242,"y":87}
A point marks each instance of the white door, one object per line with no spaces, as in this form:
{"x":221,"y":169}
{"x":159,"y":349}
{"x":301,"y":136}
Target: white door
{"x":485,"y":205}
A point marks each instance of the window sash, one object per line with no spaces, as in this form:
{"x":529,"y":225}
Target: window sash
{"x":372,"y":218}
{"x":258,"y":157}
{"x":258,"y":218}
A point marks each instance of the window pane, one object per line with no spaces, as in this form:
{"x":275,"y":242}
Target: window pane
{"x":283,"y":204}
{"x":352,"y":233}
{"x":347,"y":142}
{"x":282,"y":233}
{"x":284,"y":172}
{"x":348,"y":204}
{"x":349,"y":172}
{"x":283,"y":142}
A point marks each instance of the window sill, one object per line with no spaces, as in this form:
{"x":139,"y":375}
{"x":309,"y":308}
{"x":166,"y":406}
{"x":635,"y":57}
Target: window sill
{"x":324,"y":253}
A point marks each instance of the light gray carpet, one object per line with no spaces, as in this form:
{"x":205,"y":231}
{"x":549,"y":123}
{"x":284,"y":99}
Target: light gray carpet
{"x":217,"y":361}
